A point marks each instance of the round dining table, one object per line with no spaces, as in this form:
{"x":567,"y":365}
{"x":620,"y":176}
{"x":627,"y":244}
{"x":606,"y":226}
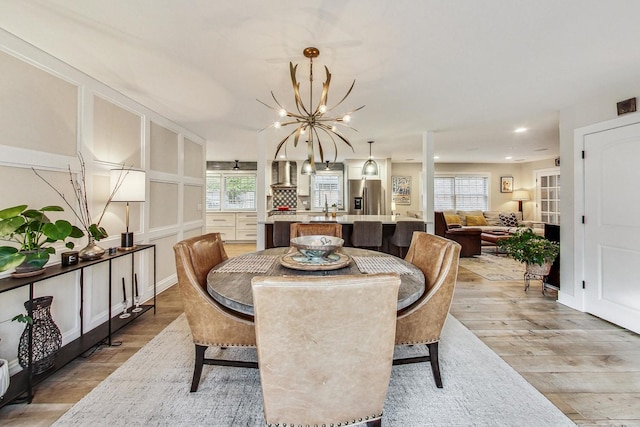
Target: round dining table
{"x":229,"y":283}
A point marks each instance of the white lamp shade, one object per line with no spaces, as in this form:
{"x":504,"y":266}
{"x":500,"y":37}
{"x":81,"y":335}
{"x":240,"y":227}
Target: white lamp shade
{"x":520,"y":195}
{"x":132,"y":187}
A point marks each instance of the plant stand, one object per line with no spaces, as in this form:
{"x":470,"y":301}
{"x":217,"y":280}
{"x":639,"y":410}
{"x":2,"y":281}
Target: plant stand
{"x":538,"y":272}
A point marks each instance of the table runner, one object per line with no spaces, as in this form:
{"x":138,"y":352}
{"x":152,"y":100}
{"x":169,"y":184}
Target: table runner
{"x":379,"y":264}
{"x":248,"y":264}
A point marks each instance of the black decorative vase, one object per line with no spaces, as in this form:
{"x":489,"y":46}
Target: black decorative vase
{"x":47,"y":338}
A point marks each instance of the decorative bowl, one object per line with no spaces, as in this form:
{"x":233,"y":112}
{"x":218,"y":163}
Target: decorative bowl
{"x":317,"y":246}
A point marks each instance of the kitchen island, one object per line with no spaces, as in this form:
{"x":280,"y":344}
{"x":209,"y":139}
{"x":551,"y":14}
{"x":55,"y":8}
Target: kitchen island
{"x":388,"y":224}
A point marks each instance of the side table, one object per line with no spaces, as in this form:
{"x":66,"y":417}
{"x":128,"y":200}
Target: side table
{"x":21,"y":386}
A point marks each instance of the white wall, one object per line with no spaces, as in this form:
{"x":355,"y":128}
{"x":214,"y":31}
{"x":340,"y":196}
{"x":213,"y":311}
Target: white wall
{"x":591,"y":111}
{"x":49,"y":112}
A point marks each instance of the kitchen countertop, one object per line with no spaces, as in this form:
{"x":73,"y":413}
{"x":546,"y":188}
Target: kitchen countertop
{"x":340,"y":219}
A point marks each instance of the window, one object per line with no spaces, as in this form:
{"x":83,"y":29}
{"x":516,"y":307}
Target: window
{"x":214,"y":186}
{"x":231,"y":192}
{"x":326,"y":186}
{"x":464,"y":192}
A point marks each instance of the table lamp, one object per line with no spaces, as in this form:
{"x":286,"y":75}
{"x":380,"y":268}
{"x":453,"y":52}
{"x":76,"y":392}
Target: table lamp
{"x":520,"y":196}
{"x":132,"y":189}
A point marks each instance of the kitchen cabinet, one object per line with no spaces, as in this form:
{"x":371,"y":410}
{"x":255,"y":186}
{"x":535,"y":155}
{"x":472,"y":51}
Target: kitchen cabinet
{"x":246,"y":226}
{"x":233,"y":226}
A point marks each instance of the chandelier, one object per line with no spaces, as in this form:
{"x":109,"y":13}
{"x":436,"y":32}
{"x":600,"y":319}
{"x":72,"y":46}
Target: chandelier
{"x":311,"y":122}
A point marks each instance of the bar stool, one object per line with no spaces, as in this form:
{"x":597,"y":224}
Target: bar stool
{"x":367,"y":234}
{"x":316,"y":229}
{"x":403,"y":233}
{"x":282,"y":233}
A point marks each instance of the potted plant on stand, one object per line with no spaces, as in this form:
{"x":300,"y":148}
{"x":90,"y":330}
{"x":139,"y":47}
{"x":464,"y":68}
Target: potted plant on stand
{"x":537,"y":252}
{"x":33,"y":232}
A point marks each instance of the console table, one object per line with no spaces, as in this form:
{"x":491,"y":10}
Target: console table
{"x":22,"y":383}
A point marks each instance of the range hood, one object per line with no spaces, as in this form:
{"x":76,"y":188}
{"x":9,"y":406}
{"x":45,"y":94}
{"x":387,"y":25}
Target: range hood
{"x":281,"y":174}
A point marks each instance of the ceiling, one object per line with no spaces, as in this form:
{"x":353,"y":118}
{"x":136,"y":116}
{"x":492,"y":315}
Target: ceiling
{"x":470,"y":71}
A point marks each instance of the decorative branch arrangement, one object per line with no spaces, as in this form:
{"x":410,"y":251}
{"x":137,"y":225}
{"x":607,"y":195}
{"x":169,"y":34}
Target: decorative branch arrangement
{"x":81,"y":208}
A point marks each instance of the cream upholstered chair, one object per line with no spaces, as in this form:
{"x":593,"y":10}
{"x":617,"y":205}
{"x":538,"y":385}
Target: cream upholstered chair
{"x":316,"y":229}
{"x":367,"y":234}
{"x":325,"y":356}
{"x":402,"y":234}
{"x":422,"y":322}
{"x":210,"y":324}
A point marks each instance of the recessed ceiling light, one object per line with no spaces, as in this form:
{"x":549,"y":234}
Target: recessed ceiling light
{"x":541,"y":149}
{"x":520,"y":130}
{"x":508,"y":158}
{"x":436,"y":157}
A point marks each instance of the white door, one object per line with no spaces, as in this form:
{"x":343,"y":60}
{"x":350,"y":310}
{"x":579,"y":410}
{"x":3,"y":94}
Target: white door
{"x":612,"y":225}
{"x":548,"y":195}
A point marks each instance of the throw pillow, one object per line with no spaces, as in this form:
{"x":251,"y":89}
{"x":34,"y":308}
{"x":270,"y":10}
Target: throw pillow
{"x":464,"y":214}
{"x":453,"y":219}
{"x":509,"y":220}
{"x":476,"y":221}
{"x":492,"y":218}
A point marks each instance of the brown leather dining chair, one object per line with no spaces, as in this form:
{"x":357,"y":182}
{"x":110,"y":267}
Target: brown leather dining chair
{"x":422,"y":322}
{"x":316,"y":229}
{"x":325,"y":357}
{"x":210,"y":324}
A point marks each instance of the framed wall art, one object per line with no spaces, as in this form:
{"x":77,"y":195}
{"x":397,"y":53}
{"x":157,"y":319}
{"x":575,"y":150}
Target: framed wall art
{"x":401,"y":190}
{"x":506,"y":184}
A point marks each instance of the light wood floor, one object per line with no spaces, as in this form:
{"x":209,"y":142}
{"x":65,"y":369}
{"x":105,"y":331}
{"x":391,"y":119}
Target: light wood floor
{"x":587,"y":367}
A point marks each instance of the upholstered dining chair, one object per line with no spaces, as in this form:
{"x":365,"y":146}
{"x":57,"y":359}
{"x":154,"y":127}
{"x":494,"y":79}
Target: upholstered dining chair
{"x":367,"y":234}
{"x":422,"y":322}
{"x":316,"y":229}
{"x":210,"y":324}
{"x":325,"y":357}
{"x":402,"y":234}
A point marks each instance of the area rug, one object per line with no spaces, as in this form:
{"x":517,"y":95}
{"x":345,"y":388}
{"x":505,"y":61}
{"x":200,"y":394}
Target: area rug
{"x":494,"y":267}
{"x":152,"y":389}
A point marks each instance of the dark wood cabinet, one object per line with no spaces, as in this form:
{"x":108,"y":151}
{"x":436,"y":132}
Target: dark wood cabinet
{"x":552,"y":232}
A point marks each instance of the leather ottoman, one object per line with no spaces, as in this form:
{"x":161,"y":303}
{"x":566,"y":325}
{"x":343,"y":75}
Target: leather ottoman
{"x":469,"y":239}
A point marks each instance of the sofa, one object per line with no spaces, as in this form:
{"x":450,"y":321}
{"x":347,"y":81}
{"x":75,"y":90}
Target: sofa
{"x":483,"y":220}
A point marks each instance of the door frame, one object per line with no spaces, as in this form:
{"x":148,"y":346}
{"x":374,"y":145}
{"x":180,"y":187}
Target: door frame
{"x":574,"y":296}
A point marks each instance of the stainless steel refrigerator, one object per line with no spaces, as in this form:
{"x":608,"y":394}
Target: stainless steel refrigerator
{"x":366,"y":197}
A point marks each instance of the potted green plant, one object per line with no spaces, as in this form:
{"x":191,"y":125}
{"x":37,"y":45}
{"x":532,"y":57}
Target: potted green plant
{"x":33,"y":232}
{"x":536,"y":251}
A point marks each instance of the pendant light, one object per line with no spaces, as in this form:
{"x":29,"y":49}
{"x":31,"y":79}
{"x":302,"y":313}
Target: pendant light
{"x":327,"y":168}
{"x":370,"y":167}
{"x":306,"y":168}
{"x":237,"y":166}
